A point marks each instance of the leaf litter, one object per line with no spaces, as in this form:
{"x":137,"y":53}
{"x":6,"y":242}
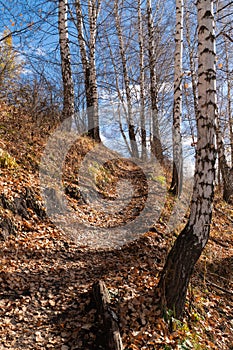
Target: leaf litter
{"x":46,"y":276}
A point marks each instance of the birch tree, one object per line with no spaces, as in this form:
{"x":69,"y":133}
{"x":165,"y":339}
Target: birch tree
{"x":173,"y":284}
{"x":87,"y":45}
{"x":229,"y":94}
{"x":192,"y":54}
{"x":156,"y":145}
{"x":131,"y":128}
{"x":224,"y":17}
{"x":142,"y":81}
{"x":226,"y":171}
{"x":120,"y":105}
{"x":177,"y":172}
{"x":68,"y":86}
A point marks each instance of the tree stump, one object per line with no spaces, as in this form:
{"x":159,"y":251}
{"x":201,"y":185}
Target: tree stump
{"x":110,"y":322}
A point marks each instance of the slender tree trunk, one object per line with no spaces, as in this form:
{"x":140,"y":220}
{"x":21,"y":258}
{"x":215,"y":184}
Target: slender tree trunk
{"x":120,"y":97}
{"x":226,"y":171}
{"x":68,"y":86}
{"x":156,"y":143}
{"x":177,"y":173}
{"x":229,"y":96}
{"x":88,"y":64}
{"x":173,"y":284}
{"x":132,"y":135}
{"x":191,"y":49}
{"x":142,"y":83}
{"x":92,"y":93}
{"x":189,"y":115}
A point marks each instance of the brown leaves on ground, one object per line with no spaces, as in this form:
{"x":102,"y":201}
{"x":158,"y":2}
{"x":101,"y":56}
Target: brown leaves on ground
{"x":46,"y":277}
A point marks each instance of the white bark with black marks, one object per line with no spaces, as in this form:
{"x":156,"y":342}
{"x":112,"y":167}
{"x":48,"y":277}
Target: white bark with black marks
{"x":132,"y":135}
{"x":229,"y":97}
{"x":156,"y":144}
{"x":68,"y":86}
{"x":142,"y":82}
{"x":173,"y":284}
{"x":177,"y":175}
{"x":87,"y":45}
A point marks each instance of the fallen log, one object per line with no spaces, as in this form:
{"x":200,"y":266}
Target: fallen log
{"x":110,"y":321}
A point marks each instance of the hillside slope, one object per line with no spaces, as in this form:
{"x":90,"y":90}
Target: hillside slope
{"x":46,"y":275}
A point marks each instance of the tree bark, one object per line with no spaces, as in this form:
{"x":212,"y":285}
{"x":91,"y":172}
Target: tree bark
{"x":88,"y":64}
{"x":156,"y":144}
{"x":131,"y":128}
{"x":177,"y":172}
{"x":229,"y":99}
{"x":172,"y":287}
{"x":120,"y":97}
{"x":142,"y":83}
{"x":92,"y":93}
{"x":191,"y":48}
{"x":226,"y":171}
{"x":68,"y":86}
{"x":111,"y":330}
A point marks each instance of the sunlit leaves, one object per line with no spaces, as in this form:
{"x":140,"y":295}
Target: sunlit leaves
{"x":46,"y":278}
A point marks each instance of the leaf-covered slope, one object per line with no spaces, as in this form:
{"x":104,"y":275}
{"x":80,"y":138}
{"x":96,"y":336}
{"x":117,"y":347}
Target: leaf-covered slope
{"x":46,"y":277}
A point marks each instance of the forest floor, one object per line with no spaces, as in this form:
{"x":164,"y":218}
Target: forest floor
{"x":49,"y":262}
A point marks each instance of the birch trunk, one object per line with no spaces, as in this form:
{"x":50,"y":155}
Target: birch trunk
{"x":88,"y":64}
{"x":68,"y":86}
{"x":177,"y":173}
{"x":173,"y":284}
{"x":191,"y":60}
{"x":230,"y":116}
{"x":92,"y":93}
{"x":226,"y":171}
{"x":142,"y":82}
{"x":156,"y":144}
{"x":132,"y":135}
{"x":121,"y":105}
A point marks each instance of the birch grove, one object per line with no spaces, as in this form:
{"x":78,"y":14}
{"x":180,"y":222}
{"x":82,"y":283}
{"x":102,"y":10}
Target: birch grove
{"x":128,"y":52}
